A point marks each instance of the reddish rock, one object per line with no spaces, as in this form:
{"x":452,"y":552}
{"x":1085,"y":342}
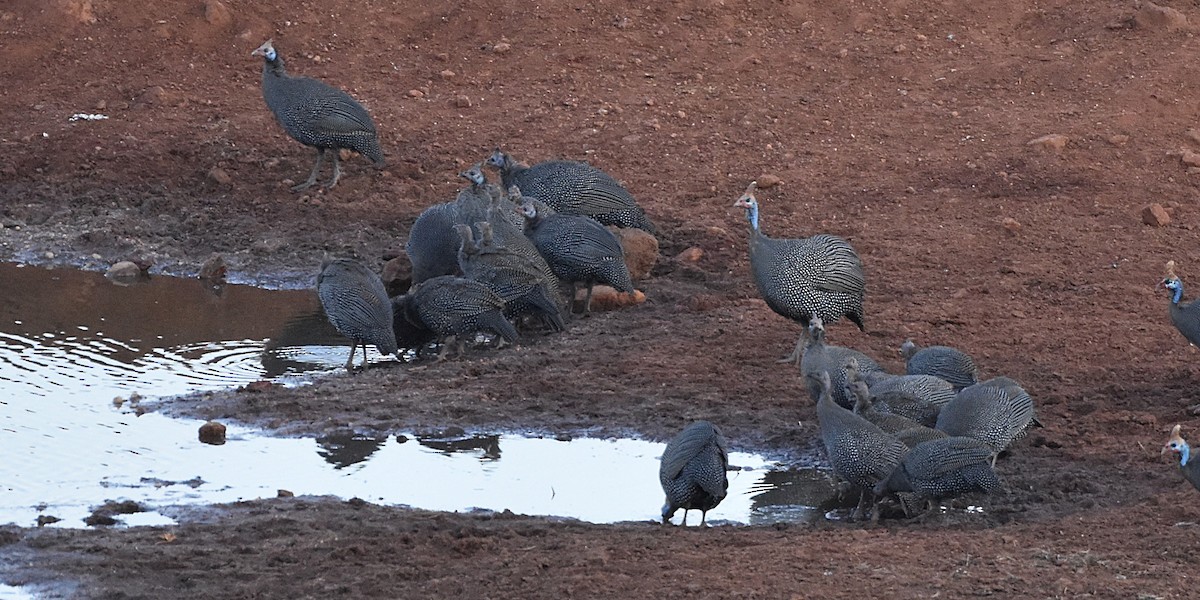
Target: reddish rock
{"x":124,"y":271}
{"x":1190,"y":158}
{"x":640,"y":248}
{"x":1153,"y":16}
{"x":213,"y":433}
{"x":1054,"y":142}
{"x":606,"y":298}
{"x":1011,"y":225}
{"x":1155,"y":215}
{"x":767,"y":182}
{"x":217,"y":14}
{"x":214,"y":269}
{"x":219,"y":176}
{"x":691,"y":255}
{"x":397,"y":275}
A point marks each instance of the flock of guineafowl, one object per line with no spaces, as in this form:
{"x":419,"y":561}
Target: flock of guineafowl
{"x":498,"y":255}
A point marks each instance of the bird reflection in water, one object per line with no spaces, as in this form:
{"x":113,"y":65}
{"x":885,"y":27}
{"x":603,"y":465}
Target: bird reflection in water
{"x":345,"y":449}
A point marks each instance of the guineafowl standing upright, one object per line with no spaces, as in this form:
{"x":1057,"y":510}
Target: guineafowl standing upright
{"x":318,"y":115}
{"x":1178,"y":446}
{"x":950,"y":364}
{"x":579,"y":250}
{"x":819,"y":357}
{"x":818,"y":276}
{"x":574,"y":188}
{"x":1186,"y":317}
{"x":692,"y":471}
{"x":432,"y":244}
{"x":449,"y":308}
{"x":357,"y":305}
{"x":943,"y":468}
{"x":859,"y":452}
{"x":995,"y":412}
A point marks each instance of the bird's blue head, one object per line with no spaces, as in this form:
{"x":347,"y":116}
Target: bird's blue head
{"x":267,"y":51}
{"x":667,"y":511}
{"x":750,"y":203}
{"x":1175,"y":286}
{"x":474,"y":175}
{"x":498,"y":159}
{"x":1176,"y":444}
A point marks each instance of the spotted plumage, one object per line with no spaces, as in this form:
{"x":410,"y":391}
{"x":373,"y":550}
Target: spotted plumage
{"x":1185,"y":317}
{"x":943,"y":468}
{"x":317,"y":115}
{"x":449,"y":308}
{"x":859,"y":452}
{"x":819,"y":357}
{"x":951,"y":364}
{"x":357,"y":305}
{"x":692,"y":471}
{"x":1179,"y":447}
{"x":995,"y":412}
{"x":516,"y":278}
{"x":818,"y":276}
{"x":574,"y":188}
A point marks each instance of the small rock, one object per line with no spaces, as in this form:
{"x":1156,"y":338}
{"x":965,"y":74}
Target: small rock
{"x":1011,"y":225}
{"x":447,"y":74}
{"x":151,"y":96}
{"x":285,"y":494}
{"x":691,"y":255}
{"x":1155,"y":215}
{"x":1018,"y":314}
{"x":1194,"y":135}
{"x":44,"y":520}
{"x":218,"y":175}
{"x":701,"y":302}
{"x":416,"y":94}
{"x":606,"y":298}
{"x":1153,"y":16}
{"x":214,"y":269}
{"x":124,"y":271}
{"x":397,"y":275}
{"x":502,"y":47}
{"x":1053,"y":141}
{"x":767,"y":182}
{"x":262,"y":385}
{"x":213,"y":433}
{"x":640,"y":248}
{"x":217,"y":14}
{"x":462,"y":101}
{"x":1190,"y":158}
{"x":1118,"y":140}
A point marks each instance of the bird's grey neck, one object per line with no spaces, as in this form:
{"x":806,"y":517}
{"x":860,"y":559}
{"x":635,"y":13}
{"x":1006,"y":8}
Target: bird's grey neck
{"x":1178,"y":292}
{"x":274,"y":67}
{"x":1185,"y":453}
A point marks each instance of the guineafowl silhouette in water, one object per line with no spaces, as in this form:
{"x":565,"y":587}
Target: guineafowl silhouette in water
{"x":1186,"y":317}
{"x":818,"y":276}
{"x":318,"y":115}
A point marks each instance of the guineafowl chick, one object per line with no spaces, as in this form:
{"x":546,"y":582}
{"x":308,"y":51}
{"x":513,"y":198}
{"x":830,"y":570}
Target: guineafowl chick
{"x":819,"y":357}
{"x":432,"y":244}
{"x":918,"y":397}
{"x":801,"y":278}
{"x":1179,"y":447}
{"x":943,"y":468}
{"x":449,"y":308}
{"x":950,"y":364}
{"x":859,"y":452}
{"x":317,"y":115}
{"x":574,"y":188}
{"x":692,"y":471}
{"x":357,"y":305}
{"x":1186,"y":317}
{"x":995,"y":412}
{"x":579,"y":250}
{"x":864,"y":408}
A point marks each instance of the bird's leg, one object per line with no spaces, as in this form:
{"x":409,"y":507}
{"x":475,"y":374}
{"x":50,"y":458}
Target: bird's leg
{"x":703,"y":518}
{"x":875,"y":506}
{"x":994,"y":457}
{"x":445,"y":349}
{"x":684,"y":523}
{"x":796,"y":354}
{"x":860,"y":510}
{"x":350,"y":361}
{"x":364,"y":353}
{"x":312,"y":177}
{"x":337,"y":169}
{"x":587,"y":300}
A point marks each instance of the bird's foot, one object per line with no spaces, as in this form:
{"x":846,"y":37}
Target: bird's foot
{"x":299,"y":187}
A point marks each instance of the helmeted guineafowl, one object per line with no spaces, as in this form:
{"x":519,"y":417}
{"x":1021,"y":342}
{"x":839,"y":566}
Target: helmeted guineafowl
{"x":432,"y":244}
{"x":859,"y":452}
{"x":579,"y":250}
{"x":943,"y":468}
{"x":918,"y":397}
{"x":1186,"y":317}
{"x":915,"y":435}
{"x":450,"y":308}
{"x":995,"y":412}
{"x":864,"y":408}
{"x":950,"y":364}
{"x":357,"y":305}
{"x":574,"y":188}
{"x":318,"y":115}
{"x":818,"y":276}
{"x":692,"y":471}
{"x":1179,"y":447}
{"x":515,"y":278}
{"x":819,"y":357}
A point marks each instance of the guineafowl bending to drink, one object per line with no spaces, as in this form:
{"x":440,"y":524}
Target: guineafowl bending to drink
{"x":449,"y":308}
{"x":574,"y":188}
{"x":1186,"y":317}
{"x":692,"y":472}
{"x":357,"y":305}
{"x":950,"y":364}
{"x":318,"y":115}
{"x":943,"y":468}
{"x":818,"y":276}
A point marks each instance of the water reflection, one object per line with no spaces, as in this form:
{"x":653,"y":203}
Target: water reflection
{"x":347,"y":449}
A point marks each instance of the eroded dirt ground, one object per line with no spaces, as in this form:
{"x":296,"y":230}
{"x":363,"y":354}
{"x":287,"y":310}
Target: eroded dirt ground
{"x":903,"y":126}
